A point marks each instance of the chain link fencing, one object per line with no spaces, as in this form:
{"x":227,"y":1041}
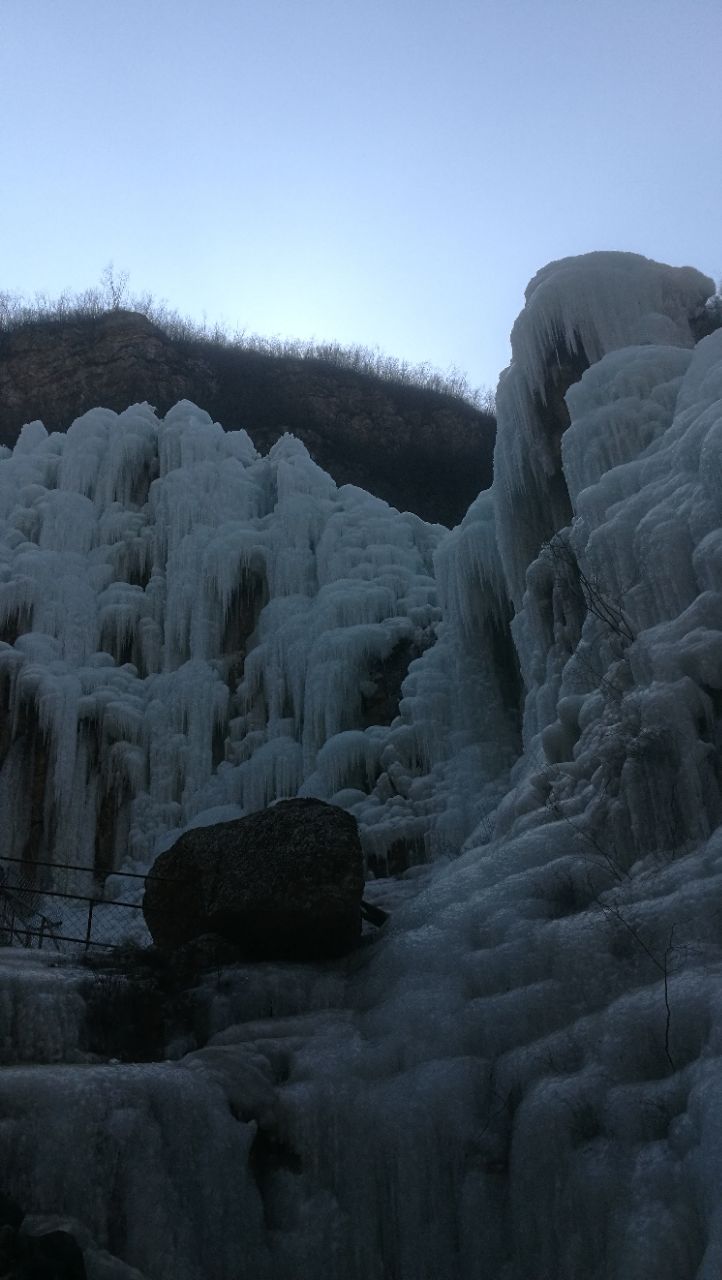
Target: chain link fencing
{"x":62,"y":907}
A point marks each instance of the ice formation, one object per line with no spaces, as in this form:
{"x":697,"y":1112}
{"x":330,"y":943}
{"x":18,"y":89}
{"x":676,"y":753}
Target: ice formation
{"x":188,"y":626}
{"x":522,"y":1077}
{"x":577,"y":310}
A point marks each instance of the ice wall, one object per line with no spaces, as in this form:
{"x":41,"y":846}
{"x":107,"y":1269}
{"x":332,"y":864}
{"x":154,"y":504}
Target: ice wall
{"x":188,"y":626}
{"x":190,"y":631}
{"x":529,"y":1084}
{"x":617,"y":632}
{"x":577,"y":310}
{"x":458,"y":733}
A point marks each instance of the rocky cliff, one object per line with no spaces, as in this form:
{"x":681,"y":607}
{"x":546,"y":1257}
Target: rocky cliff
{"x":420,"y":450}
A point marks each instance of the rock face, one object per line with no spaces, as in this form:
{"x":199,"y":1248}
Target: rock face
{"x":285,"y":883}
{"x":420,"y":450}
{"x":52,"y":1255}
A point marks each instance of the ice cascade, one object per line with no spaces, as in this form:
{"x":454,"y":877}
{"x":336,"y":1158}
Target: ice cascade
{"x":187,"y":626}
{"x":522,"y":1076}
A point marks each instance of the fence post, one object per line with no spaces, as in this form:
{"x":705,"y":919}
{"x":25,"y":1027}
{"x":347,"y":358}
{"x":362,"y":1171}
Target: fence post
{"x":88,"y":931}
{"x":42,"y":931}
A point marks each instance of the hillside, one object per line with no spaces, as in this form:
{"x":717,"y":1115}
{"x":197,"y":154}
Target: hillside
{"x":421,"y":450}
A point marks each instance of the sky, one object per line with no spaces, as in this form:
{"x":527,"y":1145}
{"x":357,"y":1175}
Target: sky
{"x":389,"y":173}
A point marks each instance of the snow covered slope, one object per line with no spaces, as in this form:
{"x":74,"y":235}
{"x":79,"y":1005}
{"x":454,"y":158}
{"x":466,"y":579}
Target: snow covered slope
{"x":522,"y":1079}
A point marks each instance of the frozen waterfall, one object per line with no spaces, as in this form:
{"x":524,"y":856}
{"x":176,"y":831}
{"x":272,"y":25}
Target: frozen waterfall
{"x":521,"y":1078}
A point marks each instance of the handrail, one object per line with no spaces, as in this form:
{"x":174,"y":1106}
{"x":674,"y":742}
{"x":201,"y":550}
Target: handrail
{"x":21,"y":921}
{"x":74,"y":866}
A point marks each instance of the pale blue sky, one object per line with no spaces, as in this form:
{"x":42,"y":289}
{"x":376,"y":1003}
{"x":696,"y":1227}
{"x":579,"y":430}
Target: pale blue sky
{"x":390,"y":173}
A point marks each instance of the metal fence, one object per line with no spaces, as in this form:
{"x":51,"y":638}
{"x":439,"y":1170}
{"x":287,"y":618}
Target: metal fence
{"x":36,"y":912}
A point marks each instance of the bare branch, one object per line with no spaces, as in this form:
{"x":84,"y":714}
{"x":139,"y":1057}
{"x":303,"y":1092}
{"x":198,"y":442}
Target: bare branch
{"x":593,"y":597}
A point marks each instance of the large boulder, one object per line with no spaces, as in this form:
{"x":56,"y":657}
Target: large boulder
{"x":55,"y":1255}
{"x":285,"y":883}
{"x":51,"y":1255}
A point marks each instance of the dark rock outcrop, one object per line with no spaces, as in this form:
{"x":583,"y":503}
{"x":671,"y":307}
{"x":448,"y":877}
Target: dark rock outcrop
{"x":56,"y":1255}
{"x":421,"y":450}
{"x":52,"y":1255}
{"x":11,"y":1215}
{"x":285,"y":883}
